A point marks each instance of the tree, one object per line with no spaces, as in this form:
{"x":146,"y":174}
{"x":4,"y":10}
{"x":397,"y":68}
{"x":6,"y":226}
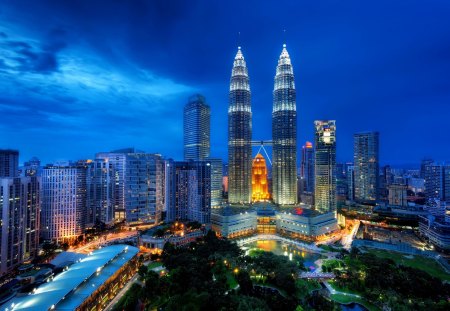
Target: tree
{"x":245,"y":283}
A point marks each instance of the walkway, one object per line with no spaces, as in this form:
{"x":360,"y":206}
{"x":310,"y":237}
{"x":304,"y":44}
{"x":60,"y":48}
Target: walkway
{"x":333,"y":291}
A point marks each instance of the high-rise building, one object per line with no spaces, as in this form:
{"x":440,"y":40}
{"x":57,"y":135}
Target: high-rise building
{"x":63,"y":211}
{"x":19,"y":221}
{"x":433,"y":174}
{"x":144,"y":190}
{"x":32,"y":167}
{"x":350,"y":175}
{"x":260,"y":185}
{"x":196,"y":128}
{"x":239,"y":134}
{"x":100,"y":191}
{"x":397,"y":195}
{"x":307,"y":167}
{"x":188,"y":191}
{"x":216,"y":181}
{"x":366,"y":161}
{"x":118,"y":159}
{"x":325,"y":166}
{"x":9,"y":163}
{"x":284,"y":133}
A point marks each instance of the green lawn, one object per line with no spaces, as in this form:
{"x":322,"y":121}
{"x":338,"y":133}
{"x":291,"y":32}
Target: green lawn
{"x":232,"y":283}
{"x":154,"y":265}
{"x":428,"y":265}
{"x":348,"y":299}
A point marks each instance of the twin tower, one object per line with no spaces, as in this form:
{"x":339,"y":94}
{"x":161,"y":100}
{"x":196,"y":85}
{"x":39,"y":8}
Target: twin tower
{"x":284,"y":134}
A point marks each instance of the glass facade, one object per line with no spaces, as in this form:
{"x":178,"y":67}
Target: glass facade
{"x":196,"y":127}
{"x":325,"y":166}
{"x":284,"y":133}
{"x":366,"y":166}
{"x":239,"y":134}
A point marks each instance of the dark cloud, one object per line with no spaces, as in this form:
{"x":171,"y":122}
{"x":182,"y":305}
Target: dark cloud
{"x":370,"y":65}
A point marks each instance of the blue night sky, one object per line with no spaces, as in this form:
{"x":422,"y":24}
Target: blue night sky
{"x":79,"y":77}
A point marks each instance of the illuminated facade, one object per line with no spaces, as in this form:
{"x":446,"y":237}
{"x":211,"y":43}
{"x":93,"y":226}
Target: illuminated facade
{"x":19,"y":221}
{"x":239,"y":133}
{"x":100,"y":191}
{"x":196,"y":128}
{"x":188,"y":191}
{"x":325,"y":166}
{"x":366,"y":166}
{"x":260,"y":187}
{"x":63,"y":212}
{"x":284,"y":133}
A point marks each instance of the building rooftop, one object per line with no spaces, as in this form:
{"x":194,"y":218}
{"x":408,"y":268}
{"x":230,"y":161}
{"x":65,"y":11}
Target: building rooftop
{"x":70,"y":288}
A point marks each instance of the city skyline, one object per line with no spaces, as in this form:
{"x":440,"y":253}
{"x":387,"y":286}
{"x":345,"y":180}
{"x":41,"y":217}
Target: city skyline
{"x":68,"y":95}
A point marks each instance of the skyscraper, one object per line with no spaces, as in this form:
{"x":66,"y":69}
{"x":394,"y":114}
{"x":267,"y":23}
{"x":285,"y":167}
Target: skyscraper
{"x":367,"y":168}
{"x":63,"y":212}
{"x":118,"y":159}
{"x":325,"y":166}
{"x":9,"y":163}
{"x":307,"y":167}
{"x":216,"y":181}
{"x":188,"y":191}
{"x":143,"y":188}
{"x":100,"y":191}
{"x":19,"y":221}
{"x":196,"y":127}
{"x":350,"y":175}
{"x":239,"y":133}
{"x":284,"y":133}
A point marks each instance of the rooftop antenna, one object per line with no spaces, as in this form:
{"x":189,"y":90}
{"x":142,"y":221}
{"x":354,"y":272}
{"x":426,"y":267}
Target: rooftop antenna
{"x":284,"y":38}
{"x":239,"y":40}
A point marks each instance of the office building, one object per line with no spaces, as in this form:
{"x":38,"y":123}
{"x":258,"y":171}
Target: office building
{"x":196,"y":129}
{"x":188,"y":191}
{"x":9,"y":163}
{"x":397,"y":195}
{"x":32,"y":167}
{"x":118,"y":159}
{"x":325,"y":166}
{"x":19,"y":221}
{"x":284,"y":133}
{"x":350,"y":176}
{"x":239,"y":134}
{"x":366,"y":162}
{"x":100,"y":191}
{"x":64,"y":202}
{"x":307,"y":167}
{"x":216,"y":182}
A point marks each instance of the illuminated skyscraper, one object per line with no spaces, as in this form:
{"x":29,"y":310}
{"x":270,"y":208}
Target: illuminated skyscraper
{"x":307,"y":167}
{"x":188,"y":191}
{"x":63,"y":213}
{"x":19,"y":221}
{"x":284,"y":133}
{"x":260,"y":186}
{"x":325,"y":166}
{"x":239,"y":134}
{"x":366,"y":166}
{"x":196,"y":127}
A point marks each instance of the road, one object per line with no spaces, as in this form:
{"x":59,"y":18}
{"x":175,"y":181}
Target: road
{"x":347,"y":239}
{"x":102,"y":240}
